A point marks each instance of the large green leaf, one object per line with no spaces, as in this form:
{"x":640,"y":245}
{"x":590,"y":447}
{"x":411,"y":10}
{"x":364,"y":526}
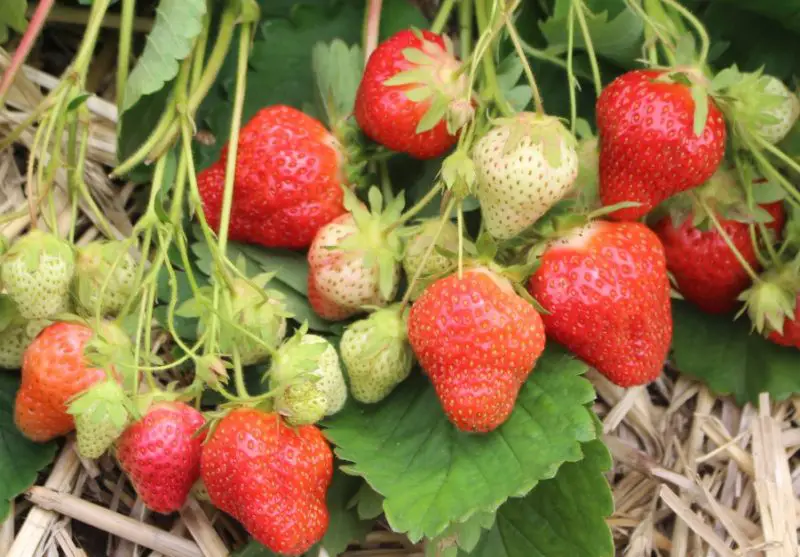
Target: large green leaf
{"x":344,"y":526}
{"x":177,"y":24}
{"x":562,"y":517}
{"x":20,"y":458}
{"x":432,"y":475}
{"x":12,"y":16}
{"x":725,"y":355}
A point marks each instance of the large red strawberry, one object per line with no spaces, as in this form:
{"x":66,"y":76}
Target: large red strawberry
{"x":289,"y":173}
{"x":161,"y":454}
{"x":54,"y":370}
{"x":606,"y":291}
{"x":478,"y":341}
{"x":413,"y":97}
{"x":648,"y":148}
{"x":270,"y":477}
{"x":706,"y":271}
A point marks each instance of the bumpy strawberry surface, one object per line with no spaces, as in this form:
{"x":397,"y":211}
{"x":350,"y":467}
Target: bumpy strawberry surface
{"x":339,"y":281}
{"x":705,"y":269}
{"x":648,"y":148}
{"x":386,"y":114}
{"x":289,"y":173}
{"x":606,"y":291}
{"x":791,"y":330}
{"x":53,"y":371}
{"x":270,"y":477}
{"x":478,"y":341}
{"x":161,"y":454}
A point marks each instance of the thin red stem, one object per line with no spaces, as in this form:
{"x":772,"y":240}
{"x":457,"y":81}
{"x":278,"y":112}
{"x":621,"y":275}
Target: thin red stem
{"x":25,"y":46}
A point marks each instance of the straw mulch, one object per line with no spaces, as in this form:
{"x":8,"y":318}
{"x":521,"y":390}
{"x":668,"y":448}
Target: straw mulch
{"x":694,"y":474}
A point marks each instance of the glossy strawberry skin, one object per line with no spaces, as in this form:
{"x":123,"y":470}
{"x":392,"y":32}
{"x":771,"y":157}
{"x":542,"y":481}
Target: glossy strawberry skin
{"x":478,"y":341}
{"x":270,"y":477}
{"x":791,"y":330}
{"x":705,"y":269}
{"x":161,"y":454}
{"x":53,"y":371}
{"x":648,"y":149}
{"x":384,"y":112}
{"x":289,"y":172}
{"x":606,"y":289}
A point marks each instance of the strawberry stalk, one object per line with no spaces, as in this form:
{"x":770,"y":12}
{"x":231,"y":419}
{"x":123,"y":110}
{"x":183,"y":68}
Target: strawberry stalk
{"x":578,"y":8}
{"x":571,"y":81}
{"x":705,"y":42}
{"x":512,"y":33}
{"x":124,"y":49}
{"x":419,"y":205}
{"x":442,"y":16}
{"x":372,"y":25}
{"x":487,"y":32}
{"x":465,"y":14}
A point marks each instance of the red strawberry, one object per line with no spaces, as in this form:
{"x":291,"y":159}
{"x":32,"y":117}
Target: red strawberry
{"x":705,"y":269}
{"x":478,"y":341}
{"x":289,"y":172}
{"x":648,"y":148}
{"x":408,"y":75}
{"x":161,"y":454}
{"x":270,"y":477}
{"x":53,"y":371}
{"x":791,"y":329}
{"x":606,"y":289}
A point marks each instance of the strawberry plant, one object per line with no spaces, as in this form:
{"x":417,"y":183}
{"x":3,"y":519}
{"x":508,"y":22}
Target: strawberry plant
{"x":451,"y":274}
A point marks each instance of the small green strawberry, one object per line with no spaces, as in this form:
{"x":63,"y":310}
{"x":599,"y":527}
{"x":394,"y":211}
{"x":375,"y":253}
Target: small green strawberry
{"x":16,"y":333}
{"x":37,"y":272}
{"x":105,"y":274}
{"x":101,"y":414}
{"x":417,"y":246}
{"x":376,"y":354}
{"x":781,"y":117}
{"x":760,"y":103}
{"x":307,"y":359}
{"x":524,"y":165}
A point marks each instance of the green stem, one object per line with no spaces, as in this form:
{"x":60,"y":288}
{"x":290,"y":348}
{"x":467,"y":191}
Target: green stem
{"x":465,"y":27}
{"x":460,"y":242}
{"x":443,"y":16}
{"x":238,"y":374}
{"x":420,"y":205}
{"x":124,"y":54}
{"x":371,"y":27}
{"x":512,"y":33}
{"x":492,"y":89}
{"x":573,"y":102}
{"x":587,"y":39}
{"x":140,"y":155}
{"x":37,"y":113}
{"x":84,"y":56}
{"x":705,"y":43}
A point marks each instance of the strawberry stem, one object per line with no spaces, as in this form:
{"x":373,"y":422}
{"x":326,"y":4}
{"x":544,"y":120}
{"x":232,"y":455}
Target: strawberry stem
{"x":579,"y":9}
{"x":371,"y":28}
{"x":724,"y":235}
{"x":124,"y":49}
{"x":699,"y":28}
{"x":428,"y":252}
{"x":460,"y":241}
{"x":442,"y":16}
{"x":512,"y":33}
{"x":491,"y":88}
{"x":465,"y":14}
{"x":419,"y":206}
{"x":573,"y":102}
{"x":25,"y":46}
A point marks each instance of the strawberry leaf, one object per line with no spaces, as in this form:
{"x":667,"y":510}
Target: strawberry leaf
{"x":561,"y":516}
{"x":12,"y":16}
{"x":433,"y":475}
{"x":20,"y":458}
{"x":726,"y":356}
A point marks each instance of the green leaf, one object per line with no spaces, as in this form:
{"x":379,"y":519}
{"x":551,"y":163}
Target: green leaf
{"x":460,"y":535}
{"x":177,"y":24}
{"x":20,"y":459}
{"x":432,"y":474}
{"x":562,"y":517}
{"x":12,"y":15}
{"x":337,"y":68}
{"x":725,"y":355}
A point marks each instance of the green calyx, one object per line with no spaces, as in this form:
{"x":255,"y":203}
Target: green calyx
{"x":458,"y":174}
{"x":772,"y":299}
{"x":376,"y":240}
{"x":437,"y":78}
{"x":32,"y":246}
{"x":535,"y":128}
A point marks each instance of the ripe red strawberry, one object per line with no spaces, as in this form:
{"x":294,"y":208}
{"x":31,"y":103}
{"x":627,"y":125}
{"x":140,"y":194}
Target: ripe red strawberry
{"x":270,"y":477}
{"x":478,"y":341}
{"x":706,"y":271}
{"x":791,"y":329}
{"x":289,"y":172}
{"x":53,"y":371}
{"x":648,"y":148}
{"x":161,"y":454}
{"x":606,"y":289}
{"x":411,"y":98}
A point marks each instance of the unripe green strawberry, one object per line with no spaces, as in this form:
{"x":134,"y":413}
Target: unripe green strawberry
{"x":302,"y":404}
{"x":37,"y":272}
{"x":781,"y":117}
{"x":255,"y":309}
{"x":762,"y":104}
{"x":16,"y":333}
{"x":309,"y":359}
{"x":376,"y":354}
{"x":524,"y":165}
{"x":437,"y":264}
{"x":101,"y":414}
{"x":105,"y":273}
